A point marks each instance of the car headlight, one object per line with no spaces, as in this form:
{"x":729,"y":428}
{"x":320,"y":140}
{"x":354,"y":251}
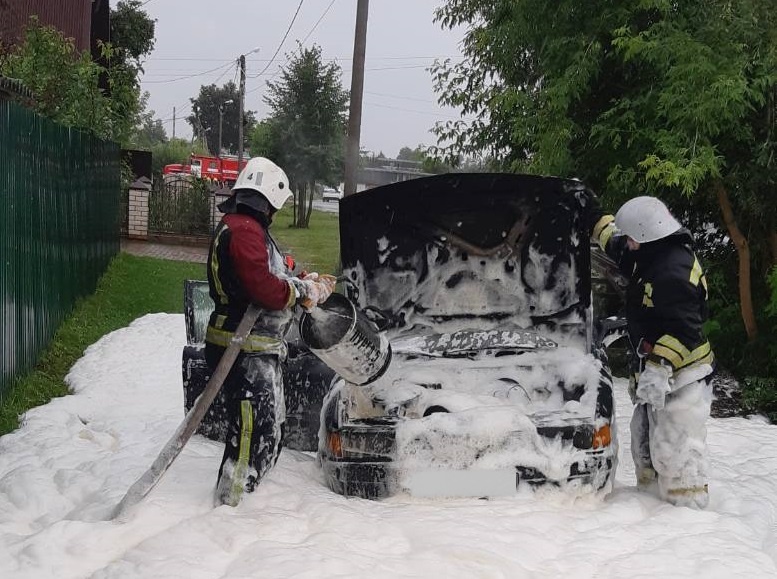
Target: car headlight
{"x":335,"y":444}
{"x":602,"y":437}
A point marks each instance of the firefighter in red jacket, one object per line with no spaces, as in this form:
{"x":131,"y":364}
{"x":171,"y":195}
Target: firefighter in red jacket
{"x":246,"y":266}
{"x":665,"y":309}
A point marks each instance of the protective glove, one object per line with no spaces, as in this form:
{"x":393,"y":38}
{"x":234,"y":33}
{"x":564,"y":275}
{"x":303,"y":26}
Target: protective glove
{"x":314,"y":289}
{"x":653,"y":385}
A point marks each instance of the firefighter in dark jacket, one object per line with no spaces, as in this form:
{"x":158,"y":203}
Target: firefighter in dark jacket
{"x":245,"y":266}
{"x":665,"y":309}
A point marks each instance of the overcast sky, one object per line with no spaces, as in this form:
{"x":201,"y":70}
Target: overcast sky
{"x":203,"y":38}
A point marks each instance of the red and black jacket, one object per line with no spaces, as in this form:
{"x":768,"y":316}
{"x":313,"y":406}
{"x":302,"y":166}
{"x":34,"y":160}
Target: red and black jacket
{"x":245,"y":266}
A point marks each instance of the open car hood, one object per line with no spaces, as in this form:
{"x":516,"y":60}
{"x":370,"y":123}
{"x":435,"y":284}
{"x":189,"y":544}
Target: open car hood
{"x":470,"y":251}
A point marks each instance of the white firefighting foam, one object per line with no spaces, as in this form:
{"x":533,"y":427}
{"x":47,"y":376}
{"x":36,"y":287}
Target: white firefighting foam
{"x":74,"y":458}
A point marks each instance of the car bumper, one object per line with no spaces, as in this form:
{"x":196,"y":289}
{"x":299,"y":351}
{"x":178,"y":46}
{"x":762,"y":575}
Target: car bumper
{"x":359,"y":461}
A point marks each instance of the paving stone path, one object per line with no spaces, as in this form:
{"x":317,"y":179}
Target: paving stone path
{"x":197,"y":254}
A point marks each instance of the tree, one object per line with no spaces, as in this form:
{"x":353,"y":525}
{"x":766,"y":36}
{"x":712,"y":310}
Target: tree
{"x":66,"y":83}
{"x":307,"y":122}
{"x":132,"y":39}
{"x":173,"y":151}
{"x":668,"y":98}
{"x":133,"y":31}
{"x":408,"y":154}
{"x":261,"y":141}
{"x":151,"y":132}
{"x":204,"y":118}
{"x":435,"y":166}
{"x":427,"y":161}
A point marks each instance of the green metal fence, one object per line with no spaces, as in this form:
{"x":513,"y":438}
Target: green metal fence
{"x":59,"y":228}
{"x":182,"y":206}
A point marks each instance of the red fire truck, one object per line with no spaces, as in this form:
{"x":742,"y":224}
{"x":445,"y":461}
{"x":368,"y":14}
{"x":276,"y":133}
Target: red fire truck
{"x":224,"y":170}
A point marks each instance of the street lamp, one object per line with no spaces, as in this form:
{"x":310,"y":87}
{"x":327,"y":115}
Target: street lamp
{"x":221,"y":121}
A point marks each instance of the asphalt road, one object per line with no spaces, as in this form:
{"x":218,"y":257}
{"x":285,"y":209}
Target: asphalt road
{"x":328,"y":206}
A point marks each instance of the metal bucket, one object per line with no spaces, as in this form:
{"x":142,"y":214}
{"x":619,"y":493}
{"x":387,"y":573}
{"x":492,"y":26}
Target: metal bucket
{"x":345,"y":340}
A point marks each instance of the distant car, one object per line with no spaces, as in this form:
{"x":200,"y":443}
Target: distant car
{"x":331,"y":194}
{"x":498,"y":376}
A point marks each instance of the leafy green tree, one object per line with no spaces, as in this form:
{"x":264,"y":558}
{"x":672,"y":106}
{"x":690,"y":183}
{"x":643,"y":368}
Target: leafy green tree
{"x":132,"y":39}
{"x":408,"y":154}
{"x":435,"y":166}
{"x":132,"y":30}
{"x":151,"y":132}
{"x":173,"y":151}
{"x":674,"y":99}
{"x":429,"y":162}
{"x":66,"y":83}
{"x":63,"y":81}
{"x":307,"y":121}
{"x":204,"y":118}
{"x":261,"y":141}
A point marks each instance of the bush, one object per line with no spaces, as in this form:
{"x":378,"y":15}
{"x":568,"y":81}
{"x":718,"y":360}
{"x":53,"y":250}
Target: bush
{"x":760,"y":395}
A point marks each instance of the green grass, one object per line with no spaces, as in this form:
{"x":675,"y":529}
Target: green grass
{"x":134,"y":286}
{"x":316,"y":248}
{"x":130,"y":288}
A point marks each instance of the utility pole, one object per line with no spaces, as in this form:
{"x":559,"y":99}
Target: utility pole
{"x":240,"y":115}
{"x":174,"y":122}
{"x":357,"y":90}
{"x":221,"y":121}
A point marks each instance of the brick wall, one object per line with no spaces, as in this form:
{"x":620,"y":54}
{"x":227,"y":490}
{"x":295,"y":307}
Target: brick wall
{"x":137,"y":224}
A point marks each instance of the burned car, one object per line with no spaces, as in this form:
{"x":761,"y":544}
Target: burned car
{"x":497,"y":374}
{"x":490,"y":373}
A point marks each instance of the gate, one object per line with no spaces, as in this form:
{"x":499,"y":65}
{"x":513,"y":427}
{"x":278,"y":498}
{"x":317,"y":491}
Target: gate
{"x":181,"y":206}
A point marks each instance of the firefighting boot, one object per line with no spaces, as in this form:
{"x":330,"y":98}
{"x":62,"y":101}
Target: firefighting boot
{"x":692,"y":497}
{"x":646,"y":478}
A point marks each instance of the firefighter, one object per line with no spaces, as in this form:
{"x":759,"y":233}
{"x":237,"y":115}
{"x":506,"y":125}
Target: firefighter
{"x":665,"y":309}
{"x":245,"y":265}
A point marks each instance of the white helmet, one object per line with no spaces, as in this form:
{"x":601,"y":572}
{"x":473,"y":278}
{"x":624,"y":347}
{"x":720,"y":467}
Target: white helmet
{"x":267,"y":178}
{"x":646,"y":219}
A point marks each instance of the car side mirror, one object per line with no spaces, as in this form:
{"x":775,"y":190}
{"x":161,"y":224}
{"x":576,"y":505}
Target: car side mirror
{"x":610,"y":330}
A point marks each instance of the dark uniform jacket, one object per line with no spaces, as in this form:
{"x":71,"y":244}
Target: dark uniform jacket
{"x":666,"y":300}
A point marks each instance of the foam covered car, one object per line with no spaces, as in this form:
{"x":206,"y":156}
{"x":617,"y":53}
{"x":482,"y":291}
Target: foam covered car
{"x":498,"y":375}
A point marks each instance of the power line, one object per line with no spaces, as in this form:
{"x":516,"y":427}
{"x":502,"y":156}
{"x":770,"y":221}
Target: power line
{"x":346,"y":70}
{"x":184,"y":107}
{"x":430,"y":113}
{"x":396,"y":96}
{"x":406,"y":67}
{"x":277,"y":50}
{"x":312,"y":30}
{"x":187,"y":76}
{"x":339,"y":58}
{"x":257,"y":75}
